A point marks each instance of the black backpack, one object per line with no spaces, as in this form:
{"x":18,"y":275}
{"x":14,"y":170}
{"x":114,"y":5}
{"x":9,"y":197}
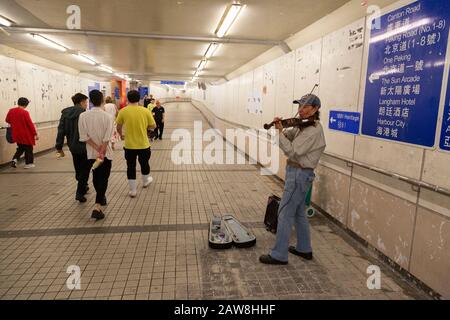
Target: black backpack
{"x":271,"y":217}
{"x":9,"y":136}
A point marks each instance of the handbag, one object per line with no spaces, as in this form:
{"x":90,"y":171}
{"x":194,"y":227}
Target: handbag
{"x":9,"y":136}
{"x":271,"y":216}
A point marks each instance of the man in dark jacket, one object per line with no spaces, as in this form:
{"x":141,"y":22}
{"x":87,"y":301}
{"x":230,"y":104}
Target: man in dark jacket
{"x":68,"y":127}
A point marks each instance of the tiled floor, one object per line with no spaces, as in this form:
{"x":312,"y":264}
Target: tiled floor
{"x":155,"y":246}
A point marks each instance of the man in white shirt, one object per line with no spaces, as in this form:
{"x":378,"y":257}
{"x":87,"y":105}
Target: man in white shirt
{"x":96,"y":127}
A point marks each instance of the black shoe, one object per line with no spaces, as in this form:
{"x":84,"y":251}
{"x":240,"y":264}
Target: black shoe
{"x":307,"y":256}
{"x":98,"y":215}
{"x":14,"y":164}
{"x":104,"y":202}
{"x":80,"y":198}
{"x":267,"y":259}
{"x":160,"y":138}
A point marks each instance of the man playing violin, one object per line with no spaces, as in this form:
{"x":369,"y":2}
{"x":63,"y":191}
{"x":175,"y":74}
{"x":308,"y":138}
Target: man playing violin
{"x":303,"y":148}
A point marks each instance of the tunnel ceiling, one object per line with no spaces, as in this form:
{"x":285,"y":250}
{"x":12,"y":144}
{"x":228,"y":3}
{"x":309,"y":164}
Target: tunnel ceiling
{"x":149,"y":59}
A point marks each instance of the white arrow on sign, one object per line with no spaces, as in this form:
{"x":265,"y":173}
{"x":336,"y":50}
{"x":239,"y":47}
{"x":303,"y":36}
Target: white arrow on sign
{"x":332,"y":120}
{"x":373,"y":77}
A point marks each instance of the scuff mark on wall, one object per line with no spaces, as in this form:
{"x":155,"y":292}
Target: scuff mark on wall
{"x":355,"y":216}
{"x":441,"y":238}
{"x":380,"y":244}
{"x":399,"y":257}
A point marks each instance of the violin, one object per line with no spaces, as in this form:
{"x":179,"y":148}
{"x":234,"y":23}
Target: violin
{"x":295,"y":122}
{"x":292,"y":123}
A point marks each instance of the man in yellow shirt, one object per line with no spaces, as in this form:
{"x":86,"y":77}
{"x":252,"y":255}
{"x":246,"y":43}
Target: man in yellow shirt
{"x":137,"y":121}
{"x":151,"y":105}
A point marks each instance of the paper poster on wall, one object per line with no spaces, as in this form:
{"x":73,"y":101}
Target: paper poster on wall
{"x":444,"y":142}
{"x":8,"y":86}
{"x":405,"y":73}
{"x":254,"y":103}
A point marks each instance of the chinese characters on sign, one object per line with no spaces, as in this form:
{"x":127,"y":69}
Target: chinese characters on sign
{"x":405,"y":71}
{"x":445,"y":132}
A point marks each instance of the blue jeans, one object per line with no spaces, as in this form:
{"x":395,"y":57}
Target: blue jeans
{"x":292,"y":210}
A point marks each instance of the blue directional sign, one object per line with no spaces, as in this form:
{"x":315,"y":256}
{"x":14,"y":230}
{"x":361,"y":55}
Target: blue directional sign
{"x":175,"y":83}
{"x":345,"y":121}
{"x":405,"y":73}
{"x":444,"y":142}
{"x":143,"y":91}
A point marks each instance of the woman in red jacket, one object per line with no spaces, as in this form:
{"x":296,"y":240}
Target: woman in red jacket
{"x":23,"y":133}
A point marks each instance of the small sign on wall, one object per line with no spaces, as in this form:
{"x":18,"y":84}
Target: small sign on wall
{"x":344,"y":121}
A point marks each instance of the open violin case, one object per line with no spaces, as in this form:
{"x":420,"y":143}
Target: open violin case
{"x":227,"y":231}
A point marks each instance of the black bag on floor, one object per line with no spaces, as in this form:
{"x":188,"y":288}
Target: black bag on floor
{"x":271,"y":217}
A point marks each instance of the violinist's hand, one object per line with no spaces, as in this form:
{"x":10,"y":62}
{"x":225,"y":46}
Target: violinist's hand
{"x":278,"y":124}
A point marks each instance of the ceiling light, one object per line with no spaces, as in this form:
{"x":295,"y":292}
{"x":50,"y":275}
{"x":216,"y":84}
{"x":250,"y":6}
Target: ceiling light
{"x":120,"y":75}
{"x":84,"y":58}
{"x":105,"y":68}
{"x":211,"y":50}
{"x":5,"y":22}
{"x":228,"y":19}
{"x":202,"y":65}
{"x":48,"y":42}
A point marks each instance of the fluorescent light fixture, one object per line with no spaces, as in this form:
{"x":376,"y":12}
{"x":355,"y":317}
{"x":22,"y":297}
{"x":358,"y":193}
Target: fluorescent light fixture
{"x":403,"y":29}
{"x":84,"y":58}
{"x":121,"y":75}
{"x":211,"y":50}
{"x":228,"y":19}
{"x":48,"y":42}
{"x":202,"y":65}
{"x":105,"y":68}
{"x":5,"y":22}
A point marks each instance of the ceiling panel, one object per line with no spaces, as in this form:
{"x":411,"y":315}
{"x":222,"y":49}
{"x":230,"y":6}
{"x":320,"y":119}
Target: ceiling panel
{"x":261,"y":19}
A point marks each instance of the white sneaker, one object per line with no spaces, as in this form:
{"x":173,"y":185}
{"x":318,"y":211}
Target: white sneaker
{"x":146,"y":180}
{"x":29,"y":166}
{"x":132,"y":185}
{"x":132,"y":194}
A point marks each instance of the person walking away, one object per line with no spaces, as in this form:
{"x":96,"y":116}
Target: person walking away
{"x":23,"y":133}
{"x":68,"y":128}
{"x":147,"y":101}
{"x":159,"y":115}
{"x":152,"y":134}
{"x":151,"y":105}
{"x":136,"y":121}
{"x":96,"y":128}
{"x":111,"y":108}
{"x":303,"y":148}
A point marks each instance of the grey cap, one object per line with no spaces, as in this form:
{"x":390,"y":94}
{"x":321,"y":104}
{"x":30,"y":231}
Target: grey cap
{"x":309,"y":100}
